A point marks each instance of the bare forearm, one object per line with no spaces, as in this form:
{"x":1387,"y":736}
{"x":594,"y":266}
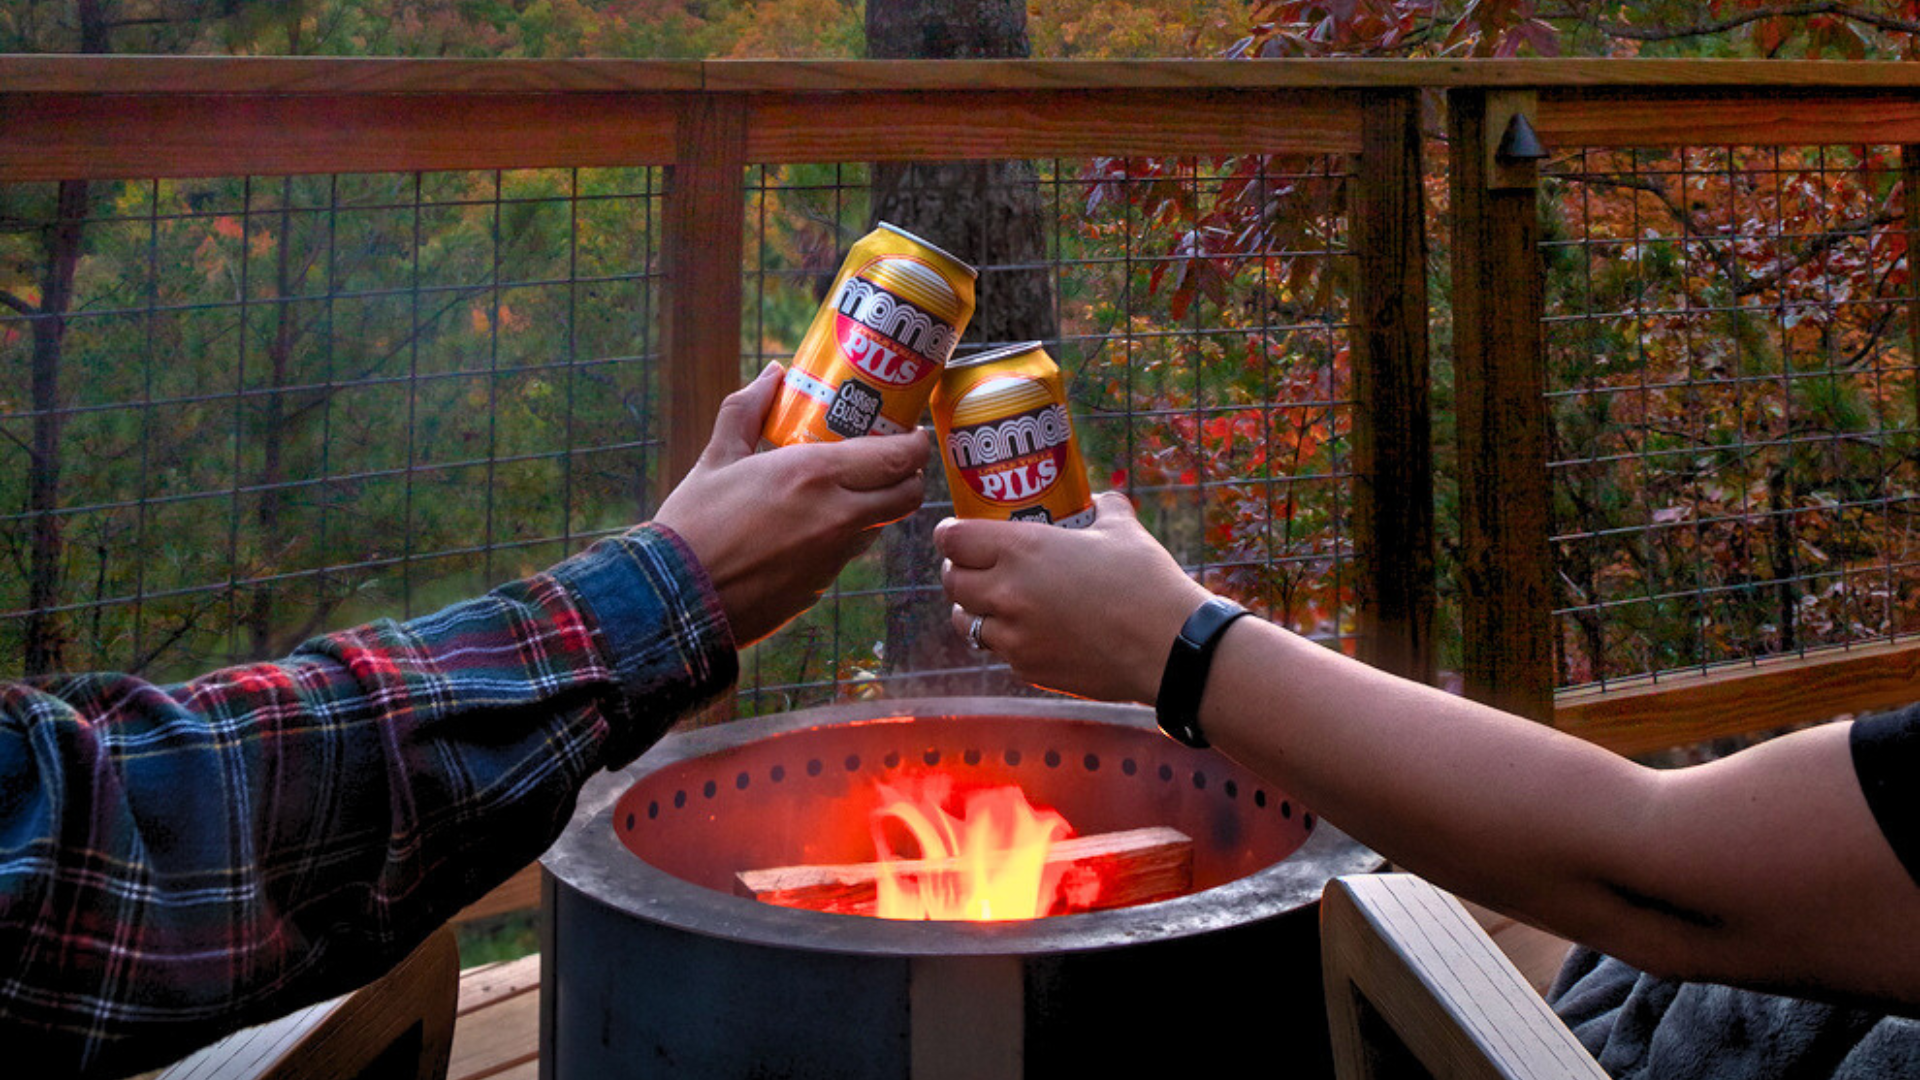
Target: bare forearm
{"x":1510,"y":813}
{"x":1709,"y":872}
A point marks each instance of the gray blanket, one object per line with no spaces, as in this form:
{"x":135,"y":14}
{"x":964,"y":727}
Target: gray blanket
{"x":1643,"y":1028}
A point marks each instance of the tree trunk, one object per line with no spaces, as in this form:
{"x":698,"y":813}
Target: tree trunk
{"x":260,"y":607}
{"x":272,"y":427}
{"x":94,"y":26}
{"x":46,"y":636}
{"x":46,"y":633}
{"x":990,"y":214}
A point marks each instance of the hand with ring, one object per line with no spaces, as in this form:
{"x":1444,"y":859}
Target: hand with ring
{"x":1091,"y":612}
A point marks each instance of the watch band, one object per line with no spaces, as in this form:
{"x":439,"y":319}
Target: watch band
{"x":1185,"y":679}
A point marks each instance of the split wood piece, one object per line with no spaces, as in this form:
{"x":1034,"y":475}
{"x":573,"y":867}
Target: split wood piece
{"x":1137,"y":866}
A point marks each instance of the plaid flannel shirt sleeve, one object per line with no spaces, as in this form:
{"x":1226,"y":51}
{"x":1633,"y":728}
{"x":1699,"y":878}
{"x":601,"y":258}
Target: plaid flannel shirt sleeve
{"x":177,"y":862}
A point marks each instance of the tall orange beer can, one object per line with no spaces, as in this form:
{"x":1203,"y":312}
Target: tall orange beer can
{"x":1007,"y":441}
{"x":876,"y":348}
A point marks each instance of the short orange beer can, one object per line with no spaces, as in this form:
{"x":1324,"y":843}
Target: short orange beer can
{"x":875,"y":349}
{"x":1007,"y":441}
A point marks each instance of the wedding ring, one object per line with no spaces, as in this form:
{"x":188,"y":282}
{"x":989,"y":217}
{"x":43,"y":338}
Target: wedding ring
{"x":973,"y":634}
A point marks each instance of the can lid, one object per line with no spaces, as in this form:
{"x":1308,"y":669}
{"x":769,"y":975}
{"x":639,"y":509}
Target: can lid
{"x":1000,"y":353}
{"x":942,"y":252}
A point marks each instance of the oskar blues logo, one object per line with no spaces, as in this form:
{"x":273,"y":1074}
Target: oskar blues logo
{"x":887,"y":336}
{"x":1013,"y":460}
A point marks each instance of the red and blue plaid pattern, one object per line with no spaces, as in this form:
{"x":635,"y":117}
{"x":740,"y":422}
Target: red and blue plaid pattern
{"x":180,"y":861}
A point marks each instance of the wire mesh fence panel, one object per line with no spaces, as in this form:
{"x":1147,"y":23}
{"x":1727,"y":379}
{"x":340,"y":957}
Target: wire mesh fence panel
{"x":1730,"y":351}
{"x":238,"y":412}
{"x":277,"y":406}
{"x":1198,"y":312}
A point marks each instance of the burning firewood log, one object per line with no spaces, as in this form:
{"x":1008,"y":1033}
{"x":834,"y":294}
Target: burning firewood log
{"x":1108,"y":870}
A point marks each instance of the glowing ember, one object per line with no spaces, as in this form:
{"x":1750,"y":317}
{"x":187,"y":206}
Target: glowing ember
{"x":987,"y":864}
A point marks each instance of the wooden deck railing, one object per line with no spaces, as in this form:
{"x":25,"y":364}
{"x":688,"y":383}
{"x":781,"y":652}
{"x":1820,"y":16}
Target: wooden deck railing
{"x":106,"y":117}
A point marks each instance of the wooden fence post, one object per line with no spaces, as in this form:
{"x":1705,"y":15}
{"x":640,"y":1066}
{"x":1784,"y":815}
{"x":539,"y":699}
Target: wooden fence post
{"x":705,"y":208}
{"x":1392,"y":426}
{"x":1499,"y":388}
{"x":1910,"y":197}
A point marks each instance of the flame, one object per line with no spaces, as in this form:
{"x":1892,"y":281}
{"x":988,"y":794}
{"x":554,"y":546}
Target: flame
{"x":987,"y":864}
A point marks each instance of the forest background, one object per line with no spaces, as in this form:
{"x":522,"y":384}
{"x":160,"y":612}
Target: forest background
{"x":238,"y":412}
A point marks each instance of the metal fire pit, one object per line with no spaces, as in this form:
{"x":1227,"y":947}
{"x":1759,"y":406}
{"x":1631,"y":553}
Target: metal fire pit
{"x":651,"y":967}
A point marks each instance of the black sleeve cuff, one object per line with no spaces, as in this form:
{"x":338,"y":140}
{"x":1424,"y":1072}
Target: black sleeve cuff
{"x":1886,"y":757}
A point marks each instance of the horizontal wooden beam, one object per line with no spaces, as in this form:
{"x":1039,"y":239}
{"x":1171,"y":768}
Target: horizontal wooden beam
{"x":960,"y":76}
{"x":71,"y":74}
{"x":70,"y":117}
{"x":1680,"y":710}
{"x":785,"y":75}
{"x":970,"y":124}
{"x":100,"y":136}
{"x":105,"y":136}
{"x":1721,"y":118}
{"x":379,"y":75}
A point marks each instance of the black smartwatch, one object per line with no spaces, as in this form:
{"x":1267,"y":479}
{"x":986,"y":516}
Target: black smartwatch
{"x":1178,"y":706}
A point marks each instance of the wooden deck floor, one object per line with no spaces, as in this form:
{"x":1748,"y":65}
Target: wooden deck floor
{"x":496,"y":1028}
{"x":496,"y":1032}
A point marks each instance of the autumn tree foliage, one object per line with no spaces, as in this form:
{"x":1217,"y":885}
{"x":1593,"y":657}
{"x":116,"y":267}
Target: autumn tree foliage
{"x":248,"y":409}
{"x":1733,"y":400}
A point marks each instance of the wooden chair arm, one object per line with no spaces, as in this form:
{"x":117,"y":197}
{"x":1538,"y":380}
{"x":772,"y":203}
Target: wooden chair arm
{"x":398,"y":1026}
{"x":1415,"y":988}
